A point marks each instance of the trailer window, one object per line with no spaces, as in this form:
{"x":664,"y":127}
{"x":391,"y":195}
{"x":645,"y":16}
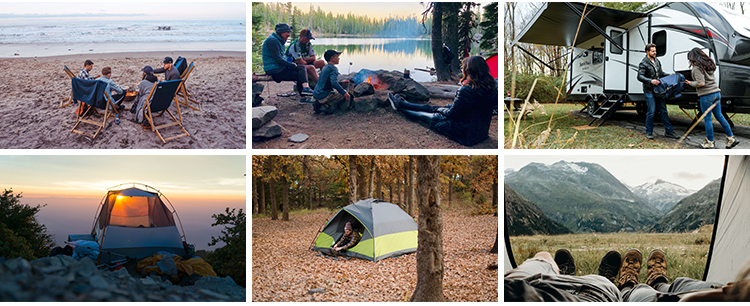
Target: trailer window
{"x":660,"y":39}
{"x":612,"y":47}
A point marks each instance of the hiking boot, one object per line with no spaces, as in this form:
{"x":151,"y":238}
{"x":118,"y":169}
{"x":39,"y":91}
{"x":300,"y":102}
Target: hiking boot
{"x":609,"y":266}
{"x":565,"y":262}
{"x":631,"y":266}
{"x":394,"y":101}
{"x":671,"y":134}
{"x":650,"y":136}
{"x":707,"y":144}
{"x":732,"y":142}
{"x":316,"y":106}
{"x":657,"y":268}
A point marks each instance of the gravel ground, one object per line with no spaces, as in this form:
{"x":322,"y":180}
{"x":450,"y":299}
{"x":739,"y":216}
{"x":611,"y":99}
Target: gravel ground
{"x":62,"y":278}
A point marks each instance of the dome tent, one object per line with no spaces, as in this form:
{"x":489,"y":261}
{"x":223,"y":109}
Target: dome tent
{"x":135,"y":222}
{"x":386,"y":230}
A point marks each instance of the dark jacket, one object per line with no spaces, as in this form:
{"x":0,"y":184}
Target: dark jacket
{"x":273,"y":55}
{"x":647,"y":72}
{"x":91,"y":92}
{"x":468,"y":119}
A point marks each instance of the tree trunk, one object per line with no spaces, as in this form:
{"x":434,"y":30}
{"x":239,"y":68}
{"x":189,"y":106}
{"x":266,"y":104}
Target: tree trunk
{"x":450,"y":192}
{"x":352,"y":179}
{"x":262,"y":200}
{"x":361,"y":181}
{"x":442,"y":70}
{"x":255,"y":195}
{"x":371,"y":181}
{"x":410,"y":190}
{"x":285,"y":195}
{"x":494,"y":193}
{"x":272,"y":189}
{"x":430,"y":266}
{"x":379,"y":184}
{"x":398,"y":189}
{"x":494,"y":247}
{"x":390,"y":192}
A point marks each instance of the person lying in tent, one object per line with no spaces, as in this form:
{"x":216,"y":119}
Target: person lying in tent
{"x":348,"y":241}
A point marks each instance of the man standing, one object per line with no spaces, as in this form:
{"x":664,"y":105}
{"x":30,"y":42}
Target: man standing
{"x":649,"y":72}
{"x":84,"y":74}
{"x":170,"y":73}
{"x":277,"y":66}
{"x":301,"y":52}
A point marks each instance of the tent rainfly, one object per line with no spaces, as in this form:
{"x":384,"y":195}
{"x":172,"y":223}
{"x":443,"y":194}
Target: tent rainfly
{"x":386,"y":230}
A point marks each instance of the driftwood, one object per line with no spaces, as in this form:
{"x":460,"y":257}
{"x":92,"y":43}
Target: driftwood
{"x":441,"y":91}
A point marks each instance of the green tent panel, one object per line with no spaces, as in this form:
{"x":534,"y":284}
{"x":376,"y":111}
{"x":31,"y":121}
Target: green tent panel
{"x":386,"y":230}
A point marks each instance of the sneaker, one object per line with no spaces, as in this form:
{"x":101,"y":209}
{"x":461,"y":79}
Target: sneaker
{"x":732,"y":142}
{"x":316,"y":106}
{"x":306,"y":91}
{"x":707,"y":144}
{"x":394,"y":101}
{"x":610,"y":264}
{"x":630,"y":268}
{"x":565,"y":262}
{"x":671,"y":134}
{"x":657,"y":268}
{"x":306,"y":100}
{"x":650,"y":136}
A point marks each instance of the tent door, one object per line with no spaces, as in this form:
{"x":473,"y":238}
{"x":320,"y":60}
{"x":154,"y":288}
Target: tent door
{"x":615,"y":60}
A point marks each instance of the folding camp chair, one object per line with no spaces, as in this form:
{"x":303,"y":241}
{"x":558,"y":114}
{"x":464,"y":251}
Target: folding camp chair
{"x":159,"y":100}
{"x":183,"y":96}
{"x":94,"y":94}
{"x":69,"y":99}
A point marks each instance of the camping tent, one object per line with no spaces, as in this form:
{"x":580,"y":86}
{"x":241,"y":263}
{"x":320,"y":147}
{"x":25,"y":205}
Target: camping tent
{"x":136,"y":223}
{"x":386,"y":230}
{"x":730,"y":245}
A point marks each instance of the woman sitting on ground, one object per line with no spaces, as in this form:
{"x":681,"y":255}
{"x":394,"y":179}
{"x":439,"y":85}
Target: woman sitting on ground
{"x":467,"y":120}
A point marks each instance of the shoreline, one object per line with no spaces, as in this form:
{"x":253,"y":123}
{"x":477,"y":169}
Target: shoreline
{"x":36,"y":50}
{"x":137,"y":54}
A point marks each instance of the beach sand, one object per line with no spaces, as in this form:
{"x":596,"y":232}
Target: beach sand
{"x":31,"y":90}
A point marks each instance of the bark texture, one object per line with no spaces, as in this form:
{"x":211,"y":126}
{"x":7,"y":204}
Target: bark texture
{"x":430,"y":268}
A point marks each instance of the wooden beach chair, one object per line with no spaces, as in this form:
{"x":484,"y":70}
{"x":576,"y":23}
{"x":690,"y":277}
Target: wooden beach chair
{"x":159,"y":100}
{"x":183,"y":96}
{"x":69,"y":99}
{"x":94,"y":94}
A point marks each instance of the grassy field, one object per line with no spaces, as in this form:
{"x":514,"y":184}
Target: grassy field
{"x":563,"y":136}
{"x":686,"y":252}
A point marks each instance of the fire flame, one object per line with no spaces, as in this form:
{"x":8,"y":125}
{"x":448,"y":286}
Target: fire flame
{"x":375,"y":82}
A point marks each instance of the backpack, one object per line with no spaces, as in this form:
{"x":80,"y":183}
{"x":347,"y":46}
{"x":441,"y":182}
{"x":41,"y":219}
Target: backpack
{"x":670,"y":86}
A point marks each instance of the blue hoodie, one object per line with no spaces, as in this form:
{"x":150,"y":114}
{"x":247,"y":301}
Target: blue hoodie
{"x":273,"y":55}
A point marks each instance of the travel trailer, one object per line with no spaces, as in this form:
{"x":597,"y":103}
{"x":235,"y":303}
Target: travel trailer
{"x":610,"y":44}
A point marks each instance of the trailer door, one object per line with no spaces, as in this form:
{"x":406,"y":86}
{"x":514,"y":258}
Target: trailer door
{"x":615,"y":60}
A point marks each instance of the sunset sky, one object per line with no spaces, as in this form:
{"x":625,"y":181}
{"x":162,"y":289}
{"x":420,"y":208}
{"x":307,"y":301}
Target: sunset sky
{"x":371,"y":9}
{"x":132,"y":10}
{"x":72,"y":187}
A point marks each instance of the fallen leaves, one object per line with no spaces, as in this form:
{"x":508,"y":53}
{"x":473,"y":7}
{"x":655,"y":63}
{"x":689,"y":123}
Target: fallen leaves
{"x":284,"y":269}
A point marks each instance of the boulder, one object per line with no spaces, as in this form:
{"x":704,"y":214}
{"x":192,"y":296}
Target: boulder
{"x":413,"y":91}
{"x":257,"y":91}
{"x":363,"y":89}
{"x":298,"y":138}
{"x":268,"y":130}
{"x":381,"y":96}
{"x":365,"y":104}
{"x":262,"y":115}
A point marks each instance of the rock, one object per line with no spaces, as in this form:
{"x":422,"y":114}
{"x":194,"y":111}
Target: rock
{"x":298,"y":138}
{"x":365,"y":104}
{"x":268,"y":130}
{"x":413,"y":91}
{"x":214,"y":295}
{"x":442,"y":91}
{"x":316,"y":290}
{"x":363,"y":88}
{"x":262,"y":115}
{"x":257,"y":91}
{"x":148,"y":281}
{"x":18,"y":265}
{"x":258,"y":88}
{"x":98,"y":282}
{"x":122,"y":274}
{"x":99,"y":295}
{"x":381,"y":96}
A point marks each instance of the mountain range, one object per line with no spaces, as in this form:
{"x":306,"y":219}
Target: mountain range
{"x":525,"y":218}
{"x":661,"y":194}
{"x":691,"y":212}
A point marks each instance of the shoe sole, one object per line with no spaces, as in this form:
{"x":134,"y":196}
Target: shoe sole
{"x":565,"y":251}
{"x":733,"y":145}
{"x":393,"y":104}
{"x":599,"y":271}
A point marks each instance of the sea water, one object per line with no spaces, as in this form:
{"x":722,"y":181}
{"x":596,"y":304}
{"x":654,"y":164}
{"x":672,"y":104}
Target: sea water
{"x":29,"y":37}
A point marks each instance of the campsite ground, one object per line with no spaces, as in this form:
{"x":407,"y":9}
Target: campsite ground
{"x":32,"y":88}
{"x":686,"y":252}
{"x":284,"y":268}
{"x":382,"y":128}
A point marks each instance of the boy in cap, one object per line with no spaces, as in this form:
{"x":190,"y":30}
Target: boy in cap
{"x":277,"y":66}
{"x":84,"y":74}
{"x":301,"y":52}
{"x":170,"y":73}
{"x":326,"y":99}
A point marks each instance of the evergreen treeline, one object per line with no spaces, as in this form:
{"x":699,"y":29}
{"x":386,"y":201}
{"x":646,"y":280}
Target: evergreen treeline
{"x":320,"y":22}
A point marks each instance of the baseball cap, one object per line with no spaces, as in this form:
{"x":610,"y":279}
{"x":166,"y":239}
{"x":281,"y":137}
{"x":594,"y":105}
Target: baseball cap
{"x":329,"y":54}
{"x":148,"y":69}
{"x":167,"y":60}
{"x":306,"y":32}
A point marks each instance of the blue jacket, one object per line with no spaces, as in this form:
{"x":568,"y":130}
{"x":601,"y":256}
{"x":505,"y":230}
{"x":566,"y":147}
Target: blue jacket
{"x":328,"y":80}
{"x":468,"y":119}
{"x":273,"y":55}
{"x":670,"y":86}
{"x":91,"y":92}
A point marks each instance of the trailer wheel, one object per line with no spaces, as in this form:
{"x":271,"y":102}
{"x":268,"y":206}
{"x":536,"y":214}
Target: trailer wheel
{"x":640,"y":109}
{"x":591,"y":106}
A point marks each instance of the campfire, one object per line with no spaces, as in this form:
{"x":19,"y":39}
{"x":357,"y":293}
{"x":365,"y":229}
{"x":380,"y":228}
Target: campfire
{"x":130,"y":95}
{"x":373,"y":79}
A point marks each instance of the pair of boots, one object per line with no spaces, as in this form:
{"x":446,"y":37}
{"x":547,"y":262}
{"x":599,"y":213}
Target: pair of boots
{"x":731,"y":143}
{"x":628,"y":266}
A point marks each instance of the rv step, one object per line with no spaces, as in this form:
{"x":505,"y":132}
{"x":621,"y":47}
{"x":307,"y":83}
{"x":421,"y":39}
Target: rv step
{"x":608,"y":107}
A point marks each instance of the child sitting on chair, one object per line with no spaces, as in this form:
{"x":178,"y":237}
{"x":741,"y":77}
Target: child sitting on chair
{"x":327,"y":100}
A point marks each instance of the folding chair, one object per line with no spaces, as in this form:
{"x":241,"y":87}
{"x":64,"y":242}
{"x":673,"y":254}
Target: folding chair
{"x":69,"y":99}
{"x":159,"y":100}
{"x":94,"y":94}
{"x":186,"y":97}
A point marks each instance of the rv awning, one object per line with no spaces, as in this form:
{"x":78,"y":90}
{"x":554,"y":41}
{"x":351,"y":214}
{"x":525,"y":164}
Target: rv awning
{"x":556,"y":22}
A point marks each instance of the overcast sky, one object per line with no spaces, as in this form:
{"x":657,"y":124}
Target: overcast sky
{"x":131,"y":10}
{"x":692,"y":172}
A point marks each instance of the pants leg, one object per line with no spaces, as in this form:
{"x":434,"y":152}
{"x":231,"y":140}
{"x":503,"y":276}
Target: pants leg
{"x":403,"y":105}
{"x":530,"y":267}
{"x":684,"y":284}
{"x":719,"y":116}
{"x":297,"y":74}
{"x":705,"y":102}
{"x":650,"y":109}
{"x":419,"y":115}
{"x":639,"y":293}
{"x":661,"y":106}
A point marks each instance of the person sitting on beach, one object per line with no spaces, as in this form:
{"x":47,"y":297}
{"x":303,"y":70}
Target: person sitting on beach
{"x":467,"y":120}
{"x":326,"y":99}
{"x":112,"y":87}
{"x":275,"y":65}
{"x":144,"y":89}
{"x":169,"y":71}
{"x":84,"y":74}
{"x":301,"y":52}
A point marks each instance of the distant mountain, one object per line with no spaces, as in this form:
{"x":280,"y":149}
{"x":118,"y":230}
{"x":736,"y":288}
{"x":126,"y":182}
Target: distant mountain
{"x":583,"y":197}
{"x":524,"y":218}
{"x":661,"y":194}
{"x":691,"y":212}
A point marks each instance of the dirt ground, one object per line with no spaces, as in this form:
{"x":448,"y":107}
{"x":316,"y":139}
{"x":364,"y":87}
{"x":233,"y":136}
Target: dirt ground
{"x":630,"y":120}
{"x":284,"y":268}
{"x":382,"y":128}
